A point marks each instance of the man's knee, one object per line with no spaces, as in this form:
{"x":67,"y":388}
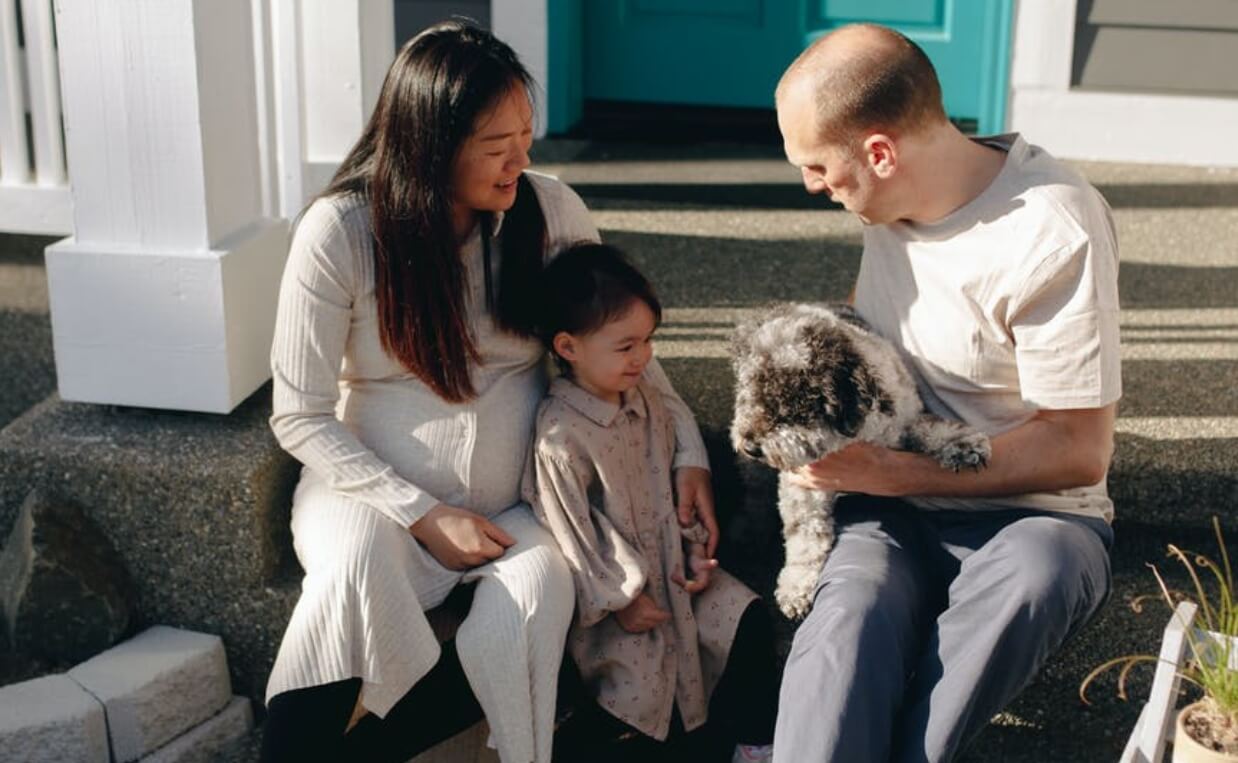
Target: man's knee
{"x":1052,"y":563}
{"x":861,"y":613}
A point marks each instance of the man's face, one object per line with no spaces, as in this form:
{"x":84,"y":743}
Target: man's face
{"x":839,"y":171}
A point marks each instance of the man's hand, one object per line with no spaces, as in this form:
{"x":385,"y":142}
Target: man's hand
{"x":858,"y":468}
{"x":458,"y":538}
{"x":641,"y":615}
{"x":1053,"y":450}
{"x":695,"y":500}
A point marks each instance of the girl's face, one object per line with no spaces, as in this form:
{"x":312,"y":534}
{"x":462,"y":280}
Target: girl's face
{"x":610,"y":361}
{"x":483,"y":177}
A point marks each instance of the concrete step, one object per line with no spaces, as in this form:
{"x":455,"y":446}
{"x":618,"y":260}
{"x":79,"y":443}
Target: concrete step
{"x":196,"y":506}
{"x":213,"y":738}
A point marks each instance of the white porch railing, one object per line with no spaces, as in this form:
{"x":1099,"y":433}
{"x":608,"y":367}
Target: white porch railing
{"x":318,"y":66}
{"x":193,"y":129}
{"x":34,"y":189}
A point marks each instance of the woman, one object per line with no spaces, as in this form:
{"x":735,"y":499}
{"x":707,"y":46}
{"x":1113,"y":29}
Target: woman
{"x":407,"y":375}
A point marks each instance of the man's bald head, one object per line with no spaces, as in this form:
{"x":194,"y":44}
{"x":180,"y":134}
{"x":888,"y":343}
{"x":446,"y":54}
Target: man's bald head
{"x":865,"y":78}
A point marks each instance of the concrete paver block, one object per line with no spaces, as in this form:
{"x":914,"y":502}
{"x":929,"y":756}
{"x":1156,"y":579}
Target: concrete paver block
{"x":204,"y":742}
{"x":51,"y":719}
{"x":156,"y":686}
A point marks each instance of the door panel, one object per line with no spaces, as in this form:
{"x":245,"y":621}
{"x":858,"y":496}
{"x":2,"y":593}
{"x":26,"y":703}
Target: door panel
{"x":700,"y":52}
{"x":732,"y":52}
{"x":888,"y":12}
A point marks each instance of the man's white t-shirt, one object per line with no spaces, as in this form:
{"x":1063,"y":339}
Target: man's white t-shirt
{"x":1006,"y":306}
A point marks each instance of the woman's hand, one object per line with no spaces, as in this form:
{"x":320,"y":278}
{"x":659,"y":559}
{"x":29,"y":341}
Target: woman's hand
{"x":696,"y":501}
{"x":458,"y":538}
{"x":641,"y":615}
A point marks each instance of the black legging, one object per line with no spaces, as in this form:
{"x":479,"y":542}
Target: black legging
{"x":742,"y":709}
{"x":308,"y":724}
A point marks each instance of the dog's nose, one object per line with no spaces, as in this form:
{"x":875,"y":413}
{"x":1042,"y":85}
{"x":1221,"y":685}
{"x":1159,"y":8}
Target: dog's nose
{"x":751,"y":450}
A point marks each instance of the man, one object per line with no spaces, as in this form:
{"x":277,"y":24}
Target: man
{"x":994,"y":269}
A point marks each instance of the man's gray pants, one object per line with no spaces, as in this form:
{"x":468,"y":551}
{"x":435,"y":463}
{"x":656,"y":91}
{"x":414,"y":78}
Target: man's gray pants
{"x":926,"y":624}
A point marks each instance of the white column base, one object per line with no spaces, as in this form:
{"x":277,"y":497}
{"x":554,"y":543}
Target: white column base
{"x":181,"y":330}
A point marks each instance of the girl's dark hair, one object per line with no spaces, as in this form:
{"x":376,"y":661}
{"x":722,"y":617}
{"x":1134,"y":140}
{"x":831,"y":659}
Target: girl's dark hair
{"x":441,"y":81}
{"x":586,"y":287}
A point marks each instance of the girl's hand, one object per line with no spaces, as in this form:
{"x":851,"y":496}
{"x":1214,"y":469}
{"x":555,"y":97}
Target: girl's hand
{"x":641,"y":615}
{"x":695,"y":500}
{"x":458,"y":538}
{"x":702,"y":567}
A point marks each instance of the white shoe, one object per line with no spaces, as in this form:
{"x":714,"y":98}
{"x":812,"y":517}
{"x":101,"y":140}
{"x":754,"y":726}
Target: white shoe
{"x":753,"y":753}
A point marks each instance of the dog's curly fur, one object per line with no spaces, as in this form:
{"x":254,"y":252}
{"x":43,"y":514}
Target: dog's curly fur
{"x":809,"y":380}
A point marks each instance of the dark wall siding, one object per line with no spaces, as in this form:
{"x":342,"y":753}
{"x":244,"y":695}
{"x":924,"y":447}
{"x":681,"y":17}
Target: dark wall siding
{"x":1187,"y":47}
{"x":411,"y":16}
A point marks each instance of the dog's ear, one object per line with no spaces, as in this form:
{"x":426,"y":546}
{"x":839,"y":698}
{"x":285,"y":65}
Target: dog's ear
{"x":847,"y":387}
{"x":846,"y":410}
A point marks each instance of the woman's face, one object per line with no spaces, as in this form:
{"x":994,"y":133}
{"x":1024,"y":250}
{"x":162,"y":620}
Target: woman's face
{"x":483,"y":178}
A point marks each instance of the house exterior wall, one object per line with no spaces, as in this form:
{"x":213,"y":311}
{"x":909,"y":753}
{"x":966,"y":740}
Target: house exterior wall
{"x":1177,"y":127}
{"x":1185,"y":47}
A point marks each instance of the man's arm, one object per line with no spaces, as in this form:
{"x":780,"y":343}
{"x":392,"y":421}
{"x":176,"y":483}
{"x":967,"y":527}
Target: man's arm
{"x":1054,"y":450}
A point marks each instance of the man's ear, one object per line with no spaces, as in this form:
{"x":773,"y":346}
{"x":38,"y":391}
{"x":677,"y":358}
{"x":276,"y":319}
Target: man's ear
{"x":564,"y":346}
{"x":881,"y":153}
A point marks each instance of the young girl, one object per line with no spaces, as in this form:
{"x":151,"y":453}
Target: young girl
{"x":663,"y":650}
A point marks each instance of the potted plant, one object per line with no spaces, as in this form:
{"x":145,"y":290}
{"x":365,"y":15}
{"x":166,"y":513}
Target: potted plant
{"x":1207,"y":730}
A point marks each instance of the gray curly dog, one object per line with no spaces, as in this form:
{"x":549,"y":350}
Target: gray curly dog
{"x":809,"y":380}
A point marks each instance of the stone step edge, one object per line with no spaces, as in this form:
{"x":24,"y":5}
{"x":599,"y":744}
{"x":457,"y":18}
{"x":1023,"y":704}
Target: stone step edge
{"x":52,"y":718}
{"x":209,"y":738}
{"x":156,"y":686}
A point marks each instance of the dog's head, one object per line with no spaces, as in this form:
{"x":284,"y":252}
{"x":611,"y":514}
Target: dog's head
{"x":802,"y":386}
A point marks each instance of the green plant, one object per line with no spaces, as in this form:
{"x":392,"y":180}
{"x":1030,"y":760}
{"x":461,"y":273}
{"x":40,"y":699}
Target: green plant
{"x":1210,"y":639}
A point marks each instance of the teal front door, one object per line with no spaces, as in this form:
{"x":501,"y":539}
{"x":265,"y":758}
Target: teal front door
{"x":732,"y":52}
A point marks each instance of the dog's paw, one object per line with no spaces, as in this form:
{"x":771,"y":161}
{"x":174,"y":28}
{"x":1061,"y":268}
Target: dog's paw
{"x":794,"y":597}
{"x":971,"y":451}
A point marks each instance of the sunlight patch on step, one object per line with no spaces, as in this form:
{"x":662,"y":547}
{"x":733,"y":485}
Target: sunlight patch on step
{"x":1178,"y":334}
{"x":1180,"y":427}
{"x":1010,"y":720}
{"x":813,"y":226}
{"x":23,"y":288}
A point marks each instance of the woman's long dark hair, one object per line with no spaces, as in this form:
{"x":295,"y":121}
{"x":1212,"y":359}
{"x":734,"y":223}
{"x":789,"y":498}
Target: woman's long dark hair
{"x":441,"y":81}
